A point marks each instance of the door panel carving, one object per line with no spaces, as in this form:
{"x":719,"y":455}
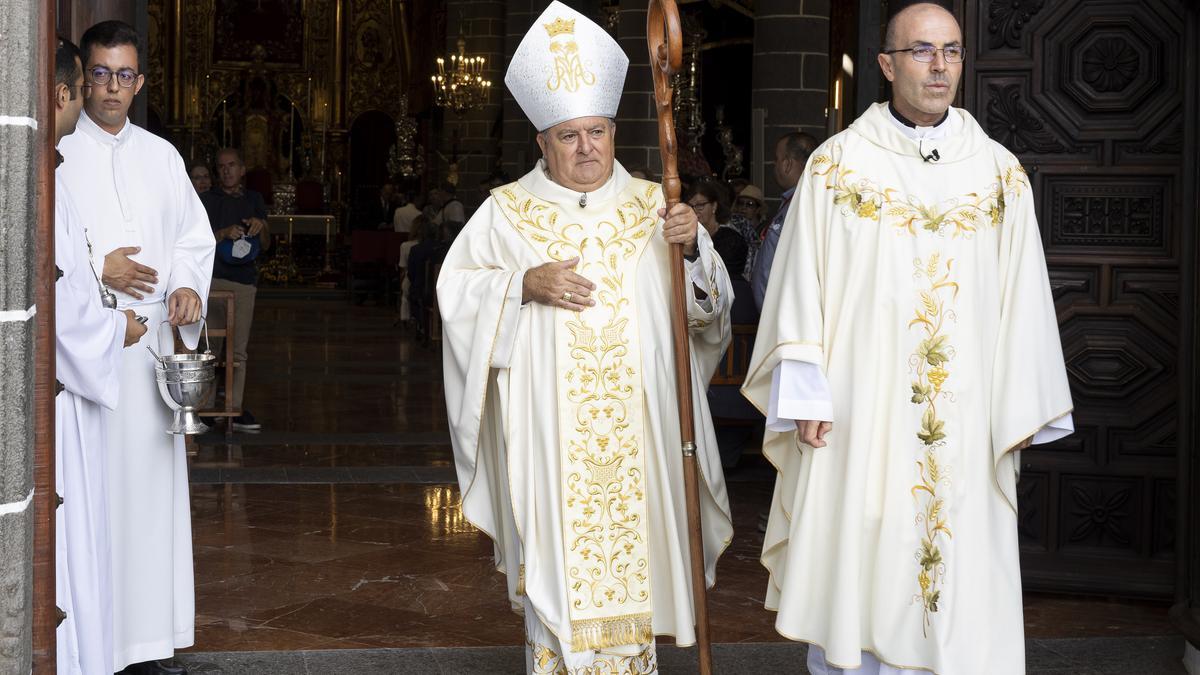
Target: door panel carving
{"x":1089,"y":95}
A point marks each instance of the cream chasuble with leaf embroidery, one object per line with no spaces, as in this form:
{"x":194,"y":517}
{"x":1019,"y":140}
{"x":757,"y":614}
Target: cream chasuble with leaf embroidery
{"x":565,"y":425}
{"x":920,"y":290}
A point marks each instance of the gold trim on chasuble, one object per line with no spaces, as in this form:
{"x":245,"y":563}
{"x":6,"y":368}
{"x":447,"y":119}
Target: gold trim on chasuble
{"x":547,"y":662}
{"x":961,"y":216}
{"x":600,"y":426}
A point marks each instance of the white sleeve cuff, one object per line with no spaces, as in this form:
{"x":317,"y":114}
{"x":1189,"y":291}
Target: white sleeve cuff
{"x":1063,"y":426}
{"x":699,"y":276}
{"x":799,"y":391}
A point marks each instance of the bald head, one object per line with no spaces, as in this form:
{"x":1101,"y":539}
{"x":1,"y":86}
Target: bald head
{"x":922,"y":91}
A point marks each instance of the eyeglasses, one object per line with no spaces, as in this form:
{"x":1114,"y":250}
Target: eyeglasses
{"x":925,"y":53}
{"x":126,"y":77}
{"x":747,"y":202}
{"x":698,"y":205}
{"x":72,"y":87}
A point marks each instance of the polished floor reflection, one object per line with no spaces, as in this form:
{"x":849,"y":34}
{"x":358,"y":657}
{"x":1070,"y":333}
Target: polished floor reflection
{"x":338,"y":525}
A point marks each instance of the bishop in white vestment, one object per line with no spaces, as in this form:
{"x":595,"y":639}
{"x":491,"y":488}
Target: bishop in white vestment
{"x":563,"y":410}
{"x":909,"y":306}
{"x":132,"y":190}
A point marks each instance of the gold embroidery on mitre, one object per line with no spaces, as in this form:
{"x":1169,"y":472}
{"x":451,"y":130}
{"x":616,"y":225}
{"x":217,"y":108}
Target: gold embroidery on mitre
{"x":931,"y":369}
{"x":600,"y":419}
{"x":569,"y":71}
{"x":559,"y":26}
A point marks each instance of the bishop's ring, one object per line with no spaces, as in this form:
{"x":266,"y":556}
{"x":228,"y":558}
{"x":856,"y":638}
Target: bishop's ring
{"x":567,"y":296}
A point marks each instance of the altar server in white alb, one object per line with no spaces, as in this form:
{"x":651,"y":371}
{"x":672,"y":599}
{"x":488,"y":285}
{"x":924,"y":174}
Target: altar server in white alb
{"x":142,"y":215}
{"x":908,"y":351}
{"x":555,"y":303}
{"x":88,"y":342}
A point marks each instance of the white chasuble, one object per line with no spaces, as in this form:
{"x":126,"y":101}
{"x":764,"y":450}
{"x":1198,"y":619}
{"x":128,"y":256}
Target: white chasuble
{"x":920,"y":290}
{"x":133,"y":190}
{"x":565,"y":425}
{"x":600,"y":431}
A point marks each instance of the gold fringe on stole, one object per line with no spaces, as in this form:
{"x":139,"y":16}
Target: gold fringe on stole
{"x":634,"y":629}
{"x":521,"y":579}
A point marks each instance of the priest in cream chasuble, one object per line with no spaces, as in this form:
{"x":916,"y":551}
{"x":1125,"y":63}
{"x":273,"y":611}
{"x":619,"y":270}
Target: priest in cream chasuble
{"x":555,"y":303}
{"x":909,"y":313}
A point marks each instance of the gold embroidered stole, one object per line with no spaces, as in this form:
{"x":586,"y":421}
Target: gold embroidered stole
{"x":600,"y":411}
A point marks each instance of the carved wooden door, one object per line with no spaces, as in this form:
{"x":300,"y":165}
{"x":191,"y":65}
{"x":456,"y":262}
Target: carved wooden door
{"x":1089,"y":94}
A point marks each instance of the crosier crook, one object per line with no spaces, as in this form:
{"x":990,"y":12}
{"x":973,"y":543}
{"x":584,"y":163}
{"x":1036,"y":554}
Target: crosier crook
{"x":665,"y":40}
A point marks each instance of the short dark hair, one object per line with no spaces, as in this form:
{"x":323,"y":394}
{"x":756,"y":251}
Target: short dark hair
{"x":798,"y":145}
{"x":227,"y":150}
{"x":448,"y":187}
{"x":109,"y":34}
{"x":712,"y":191}
{"x":732,"y":248}
{"x":67,"y":64}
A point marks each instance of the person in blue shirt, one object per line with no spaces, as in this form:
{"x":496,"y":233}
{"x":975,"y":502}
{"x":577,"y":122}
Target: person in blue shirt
{"x":239,"y":221}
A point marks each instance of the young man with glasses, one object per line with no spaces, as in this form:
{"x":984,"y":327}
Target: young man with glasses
{"x":908,"y":347}
{"x":137,"y":203}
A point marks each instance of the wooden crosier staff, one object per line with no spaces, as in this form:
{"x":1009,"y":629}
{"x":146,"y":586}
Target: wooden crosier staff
{"x":666,"y":58}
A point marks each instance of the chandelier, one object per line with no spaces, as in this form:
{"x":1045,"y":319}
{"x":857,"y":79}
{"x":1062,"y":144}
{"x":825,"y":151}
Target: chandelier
{"x":462,"y":87}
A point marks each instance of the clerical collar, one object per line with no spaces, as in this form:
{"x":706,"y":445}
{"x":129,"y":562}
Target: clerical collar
{"x":545,"y":187}
{"x":89,"y":127}
{"x":943,"y":128}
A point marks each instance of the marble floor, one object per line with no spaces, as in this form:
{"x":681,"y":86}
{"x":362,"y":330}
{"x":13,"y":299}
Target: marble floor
{"x":338,"y":526}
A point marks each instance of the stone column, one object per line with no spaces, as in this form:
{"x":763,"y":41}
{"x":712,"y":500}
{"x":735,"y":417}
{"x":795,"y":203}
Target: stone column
{"x":790,"y":74}
{"x":477,"y":133}
{"x":637,"y":121}
{"x":519,"y":149}
{"x":20,"y":81}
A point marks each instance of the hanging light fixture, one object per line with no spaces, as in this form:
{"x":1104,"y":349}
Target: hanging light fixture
{"x":461,"y":87}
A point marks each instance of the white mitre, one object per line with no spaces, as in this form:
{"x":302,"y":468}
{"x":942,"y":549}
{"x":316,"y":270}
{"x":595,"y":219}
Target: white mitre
{"x":566,"y":67}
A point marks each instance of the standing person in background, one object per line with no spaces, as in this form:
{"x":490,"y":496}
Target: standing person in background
{"x":135,"y":199}
{"x":791,"y":154}
{"x":402,"y":221}
{"x":385,"y":206}
{"x":749,"y":205}
{"x":449,"y":208}
{"x":710,"y":200}
{"x":89,"y":338}
{"x":238,"y":217}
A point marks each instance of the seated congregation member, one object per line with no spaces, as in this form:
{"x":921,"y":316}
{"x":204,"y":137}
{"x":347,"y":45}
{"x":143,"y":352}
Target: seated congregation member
{"x":143,"y":211}
{"x":201,"y":177}
{"x":735,"y":420}
{"x":238,"y":217}
{"x":89,"y":338}
{"x":554,"y":304}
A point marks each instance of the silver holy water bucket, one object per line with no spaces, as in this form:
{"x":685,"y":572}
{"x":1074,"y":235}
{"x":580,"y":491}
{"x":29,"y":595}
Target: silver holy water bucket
{"x":186,"y":383}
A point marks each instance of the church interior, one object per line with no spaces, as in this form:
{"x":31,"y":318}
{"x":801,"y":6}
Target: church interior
{"x":331,"y":538}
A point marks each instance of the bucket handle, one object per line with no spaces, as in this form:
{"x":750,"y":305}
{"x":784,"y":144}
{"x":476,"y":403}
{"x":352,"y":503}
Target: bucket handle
{"x":203,"y":324}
